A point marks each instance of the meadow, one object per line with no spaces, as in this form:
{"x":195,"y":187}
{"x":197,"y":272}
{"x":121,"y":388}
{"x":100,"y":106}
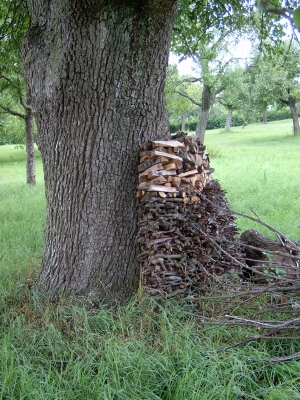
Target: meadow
{"x":258,"y":166}
{"x":145,"y":350}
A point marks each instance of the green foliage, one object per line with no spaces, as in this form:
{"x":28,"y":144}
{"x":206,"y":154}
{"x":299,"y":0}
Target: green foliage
{"x":271,"y":80}
{"x":296,"y":17}
{"x":11,"y":131}
{"x":278,"y":115}
{"x":14,"y":21}
{"x":11,"y":127}
{"x":216,"y":120}
{"x":197,"y":21}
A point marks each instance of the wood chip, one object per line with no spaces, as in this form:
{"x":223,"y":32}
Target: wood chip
{"x":169,"y":166}
{"x":160,"y":188}
{"x":162,"y":194}
{"x":148,"y":164}
{"x":153,"y":174}
{"x":167,"y":155}
{"x":176,"y":181}
{"x":153,"y":168}
{"x":167,"y":143}
{"x":195,"y":199}
{"x":188,"y":173}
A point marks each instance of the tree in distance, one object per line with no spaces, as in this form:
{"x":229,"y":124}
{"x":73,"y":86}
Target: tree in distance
{"x":273,"y":80}
{"x":14,"y":22}
{"x":181,"y":92}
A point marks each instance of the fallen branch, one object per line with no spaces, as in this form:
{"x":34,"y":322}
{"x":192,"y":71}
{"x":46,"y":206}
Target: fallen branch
{"x":241,"y":264}
{"x":272,"y":229}
{"x":263,"y":324}
{"x":286,"y":358}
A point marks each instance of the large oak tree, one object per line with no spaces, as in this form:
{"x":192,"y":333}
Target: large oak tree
{"x":95,"y":71}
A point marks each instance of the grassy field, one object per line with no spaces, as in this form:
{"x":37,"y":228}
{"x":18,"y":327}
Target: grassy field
{"x":22,"y":214}
{"x":259,"y":168}
{"x":143,"y":351}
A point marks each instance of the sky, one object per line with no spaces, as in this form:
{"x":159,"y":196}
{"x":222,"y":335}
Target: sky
{"x":242,"y":50}
{"x":185,"y":67}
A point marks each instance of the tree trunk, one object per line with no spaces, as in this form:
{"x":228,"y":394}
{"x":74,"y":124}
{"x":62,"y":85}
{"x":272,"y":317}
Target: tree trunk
{"x":183,"y":122}
{"x":265,"y":117}
{"x":229,"y":118}
{"x":292,"y":105}
{"x":95,"y":72}
{"x":30,"y":156}
{"x":206,"y":103}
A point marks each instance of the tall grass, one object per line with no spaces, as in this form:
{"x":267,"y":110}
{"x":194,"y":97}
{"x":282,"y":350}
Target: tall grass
{"x":141,"y":351}
{"x":259,"y":168}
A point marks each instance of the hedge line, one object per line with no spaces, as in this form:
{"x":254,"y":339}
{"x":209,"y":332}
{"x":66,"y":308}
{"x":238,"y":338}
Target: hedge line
{"x":13,"y":136}
{"x":218,"y":121}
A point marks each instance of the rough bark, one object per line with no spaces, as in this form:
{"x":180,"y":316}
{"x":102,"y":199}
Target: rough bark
{"x":206,"y":103}
{"x":30,"y":156}
{"x":96,"y":73}
{"x":229,"y":118}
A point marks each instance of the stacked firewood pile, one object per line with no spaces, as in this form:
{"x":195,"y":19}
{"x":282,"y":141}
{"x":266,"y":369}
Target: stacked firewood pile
{"x":173,"y":168}
{"x":186,"y":228}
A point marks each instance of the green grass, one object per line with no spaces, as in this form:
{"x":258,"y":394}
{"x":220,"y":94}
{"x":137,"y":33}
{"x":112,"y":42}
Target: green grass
{"x":22,"y":215}
{"x":142,"y":351}
{"x":259,"y":168}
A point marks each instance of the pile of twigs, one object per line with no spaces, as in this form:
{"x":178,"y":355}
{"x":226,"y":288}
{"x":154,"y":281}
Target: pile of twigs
{"x":187,"y":246}
{"x":267,"y":298}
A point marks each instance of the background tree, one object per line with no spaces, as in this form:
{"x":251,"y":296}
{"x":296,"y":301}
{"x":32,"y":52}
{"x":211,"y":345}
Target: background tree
{"x":233,"y":95}
{"x":274,"y":79}
{"x":216,"y":74}
{"x":179,"y":94}
{"x":16,"y":89}
{"x":202,"y":34}
{"x":290,"y":11}
{"x":290,"y":91}
{"x":13,"y":23}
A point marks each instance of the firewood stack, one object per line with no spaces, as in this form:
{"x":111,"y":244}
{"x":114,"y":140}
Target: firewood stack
{"x":184,"y":220}
{"x":173,"y":168}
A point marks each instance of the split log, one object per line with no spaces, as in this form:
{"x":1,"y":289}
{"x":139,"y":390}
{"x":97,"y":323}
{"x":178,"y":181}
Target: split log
{"x":167,"y":143}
